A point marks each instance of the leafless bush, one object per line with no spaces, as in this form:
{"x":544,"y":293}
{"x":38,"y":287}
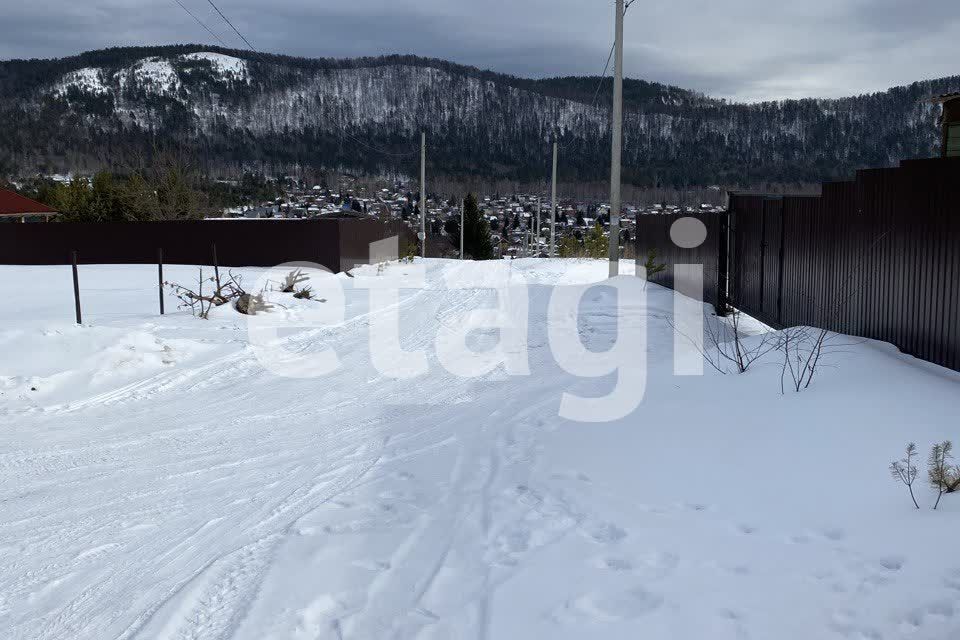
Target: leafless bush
{"x":802,"y":348}
{"x":905,"y":471}
{"x":726,"y":344}
{"x":221,"y":292}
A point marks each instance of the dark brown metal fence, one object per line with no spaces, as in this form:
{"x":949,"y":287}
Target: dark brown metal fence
{"x":653,"y":233}
{"x":878,"y":257}
{"x":336,"y":243}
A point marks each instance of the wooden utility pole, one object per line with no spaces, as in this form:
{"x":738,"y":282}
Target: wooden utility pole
{"x":423,"y":194}
{"x":616,"y":146}
{"x":553,"y":205}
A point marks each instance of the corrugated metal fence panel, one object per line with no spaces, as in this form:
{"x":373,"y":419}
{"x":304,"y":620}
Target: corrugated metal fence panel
{"x":333,"y":243}
{"x":239,"y":242}
{"x":772,"y":243}
{"x":746,"y":259}
{"x":357,"y":235}
{"x":878,"y":257}
{"x":653,"y":232}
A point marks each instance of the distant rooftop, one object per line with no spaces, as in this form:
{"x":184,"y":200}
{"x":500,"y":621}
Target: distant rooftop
{"x":14,"y":204}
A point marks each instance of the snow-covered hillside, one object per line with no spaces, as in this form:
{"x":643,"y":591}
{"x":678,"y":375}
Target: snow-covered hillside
{"x":237,"y":107}
{"x":157,"y":482}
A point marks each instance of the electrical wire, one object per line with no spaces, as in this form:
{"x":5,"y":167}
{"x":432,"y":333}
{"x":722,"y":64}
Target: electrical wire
{"x":342,"y":133}
{"x":603,"y":74}
{"x":227,"y":20}
{"x":202,"y":24}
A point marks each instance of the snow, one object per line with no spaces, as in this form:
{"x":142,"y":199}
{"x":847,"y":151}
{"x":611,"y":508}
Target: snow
{"x":161,"y":483}
{"x":155,"y":74}
{"x":226,"y":65}
{"x":88,"y":79}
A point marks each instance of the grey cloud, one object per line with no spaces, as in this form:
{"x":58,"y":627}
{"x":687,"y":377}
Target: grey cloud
{"x":740,"y":49}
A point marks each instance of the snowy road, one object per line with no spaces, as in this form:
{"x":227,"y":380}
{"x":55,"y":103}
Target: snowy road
{"x":157,"y":483}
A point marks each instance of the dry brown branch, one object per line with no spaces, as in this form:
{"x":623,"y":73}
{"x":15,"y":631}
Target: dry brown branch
{"x":223,"y":291}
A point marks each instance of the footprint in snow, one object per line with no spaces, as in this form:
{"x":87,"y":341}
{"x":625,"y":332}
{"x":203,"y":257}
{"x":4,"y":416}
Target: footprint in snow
{"x":610,"y":606}
{"x":613,"y":563}
{"x":372,"y":565}
{"x":891,"y":563}
{"x":604,"y":533}
{"x":732,"y":615}
{"x":844,"y":622}
{"x":835,"y":534}
{"x":952,"y":580}
{"x":731,"y":569}
{"x":656,"y":564}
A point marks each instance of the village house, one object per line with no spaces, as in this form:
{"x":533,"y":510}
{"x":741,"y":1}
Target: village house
{"x":16,"y":208}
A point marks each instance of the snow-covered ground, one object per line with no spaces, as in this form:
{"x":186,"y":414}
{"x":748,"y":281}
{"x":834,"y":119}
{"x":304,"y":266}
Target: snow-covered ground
{"x":156,"y":482}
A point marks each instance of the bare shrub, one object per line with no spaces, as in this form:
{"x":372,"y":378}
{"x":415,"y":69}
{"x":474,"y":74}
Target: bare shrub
{"x":801,"y":348}
{"x":220,"y":292}
{"x":727,"y":345}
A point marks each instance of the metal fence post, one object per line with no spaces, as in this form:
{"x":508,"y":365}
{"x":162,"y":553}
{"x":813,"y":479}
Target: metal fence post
{"x":160,"y":276}
{"x":76,"y":287}
{"x":216,"y":265}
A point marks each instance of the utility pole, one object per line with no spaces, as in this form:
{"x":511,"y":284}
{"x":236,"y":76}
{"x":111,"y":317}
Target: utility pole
{"x":461,"y":228}
{"x":553,"y":205}
{"x":616,"y":146}
{"x":423,"y":194}
{"x":536,"y":249}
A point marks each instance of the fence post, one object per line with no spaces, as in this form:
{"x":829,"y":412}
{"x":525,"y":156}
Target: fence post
{"x":216,"y":265}
{"x":76,"y":287}
{"x":723,"y":265}
{"x":160,"y":276}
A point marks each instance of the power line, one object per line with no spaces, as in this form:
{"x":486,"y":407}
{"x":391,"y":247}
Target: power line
{"x":343,"y":134}
{"x":227,"y":20}
{"x":596,"y":93}
{"x":376,"y":149}
{"x":202,"y":24}
{"x":603,"y":74}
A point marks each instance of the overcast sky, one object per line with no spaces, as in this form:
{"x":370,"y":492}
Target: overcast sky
{"x":739,"y":49}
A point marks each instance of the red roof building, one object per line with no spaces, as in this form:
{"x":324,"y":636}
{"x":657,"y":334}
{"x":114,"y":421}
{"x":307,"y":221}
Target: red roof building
{"x":14,"y":205}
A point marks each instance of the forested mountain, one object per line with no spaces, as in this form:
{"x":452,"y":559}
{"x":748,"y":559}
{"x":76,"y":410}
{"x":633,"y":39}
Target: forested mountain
{"x":241,"y":110}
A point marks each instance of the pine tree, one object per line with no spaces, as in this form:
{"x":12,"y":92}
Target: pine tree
{"x":939,"y":468}
{"x":476,"y":231}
